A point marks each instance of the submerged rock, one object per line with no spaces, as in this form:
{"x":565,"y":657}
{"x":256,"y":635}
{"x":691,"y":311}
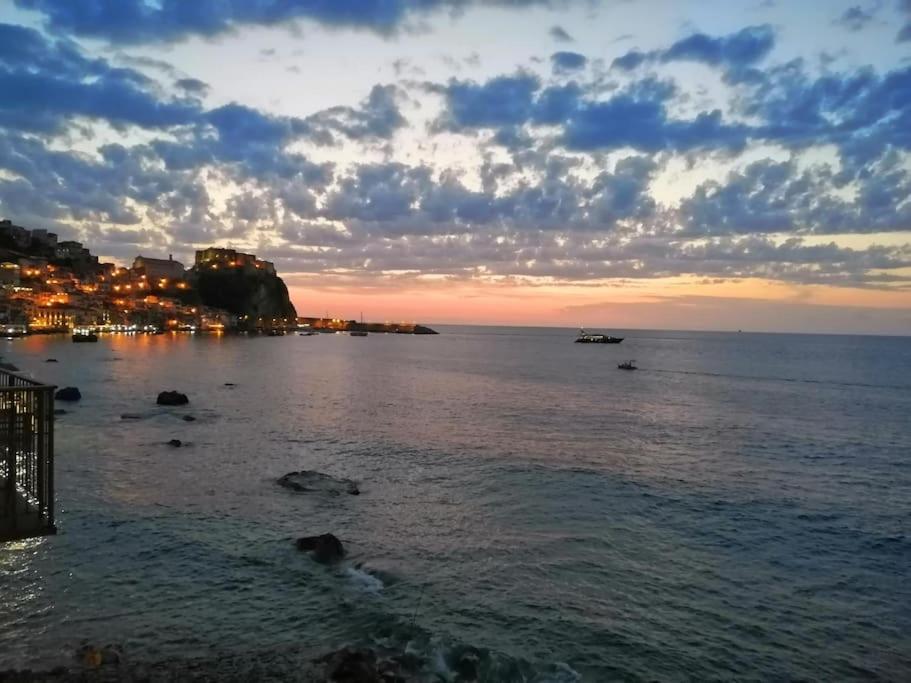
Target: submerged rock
{"x":326,"y":548}
{"x":229,"y":384}
{"x":51,"y":360}
{"x":176,"y":443}
{"x":130,"y":416}
{"x":188,"y":418}
{"x":172,"y":398}
{"x":317,"y":482}
{"x":68,"y":394}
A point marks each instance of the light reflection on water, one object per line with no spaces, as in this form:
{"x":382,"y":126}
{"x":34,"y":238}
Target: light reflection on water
{"x":739,"y":506}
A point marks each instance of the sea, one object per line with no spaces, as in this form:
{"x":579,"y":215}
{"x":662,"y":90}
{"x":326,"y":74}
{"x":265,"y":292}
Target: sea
{"x":738,"y":508}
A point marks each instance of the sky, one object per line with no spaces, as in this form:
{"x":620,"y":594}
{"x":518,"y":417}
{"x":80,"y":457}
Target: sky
{"x":614,"y":164}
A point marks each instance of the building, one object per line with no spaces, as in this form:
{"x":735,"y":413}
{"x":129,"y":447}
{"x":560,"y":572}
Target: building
{"x":9,"y":273}
{"x":266,"y":266}
{"x":158,"y":269}
{"x":230,"y":258}
{"x":15,"y":235}
{"x":215,"y":256}
{"x":73,"y":251}
{"x":45,"y":238}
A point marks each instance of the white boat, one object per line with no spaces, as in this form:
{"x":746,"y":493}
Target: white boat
{"x":589,"y":338}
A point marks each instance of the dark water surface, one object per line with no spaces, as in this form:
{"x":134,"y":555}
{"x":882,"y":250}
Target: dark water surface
{"x":738,"y":508}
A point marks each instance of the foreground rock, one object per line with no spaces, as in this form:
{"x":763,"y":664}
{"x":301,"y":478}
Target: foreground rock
{"x":359,"y":666}
{"x":172,"y":398}
{"x":317,"y":482}
{"x":326,"y":548}
{"x":175,"y":443}
{"x":68,"y":394}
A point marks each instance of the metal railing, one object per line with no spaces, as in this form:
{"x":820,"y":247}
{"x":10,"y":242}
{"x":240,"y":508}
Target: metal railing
{"x":26,"y":457}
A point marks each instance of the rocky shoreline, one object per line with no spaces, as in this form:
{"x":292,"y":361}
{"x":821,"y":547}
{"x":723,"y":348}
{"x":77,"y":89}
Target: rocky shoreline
{"x":110,"y":664}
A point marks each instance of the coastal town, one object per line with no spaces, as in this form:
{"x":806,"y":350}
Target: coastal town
{"x":58,"y":286}
{"x":49,"y":286}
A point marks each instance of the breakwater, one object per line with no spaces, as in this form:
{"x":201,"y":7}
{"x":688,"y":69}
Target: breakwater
{"x":337,"y":325}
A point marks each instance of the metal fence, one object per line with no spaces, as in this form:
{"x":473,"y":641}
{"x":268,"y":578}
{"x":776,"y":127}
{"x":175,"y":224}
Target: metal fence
{"x":26,"y":457}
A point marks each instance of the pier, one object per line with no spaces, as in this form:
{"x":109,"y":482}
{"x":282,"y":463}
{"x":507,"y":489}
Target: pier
{"x":26,"y":457}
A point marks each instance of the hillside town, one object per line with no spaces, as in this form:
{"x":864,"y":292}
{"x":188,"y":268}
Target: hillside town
{"x":49,"y":286}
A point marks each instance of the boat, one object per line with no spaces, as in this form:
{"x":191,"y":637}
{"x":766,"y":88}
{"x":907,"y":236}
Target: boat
{"x":84,"y":336}
{"x":308,"y":333}
{"x":275,"y":332}
{"x":359,"y":333}
{"x":627,"y":365}
{"x":589,"y":338}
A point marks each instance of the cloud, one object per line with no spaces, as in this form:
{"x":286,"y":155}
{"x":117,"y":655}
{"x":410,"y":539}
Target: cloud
{"x":378,"y":117}
{"x":777,"y":197}
{"x":193,"y":86}
{"x":564,"y":186}
{"x":53,"y":82}
{"x":566,"y":62}
{"x":735,"y":51}
{"x":560,"y":34}
{"x":139,"y":21}
{"x":904,"y":34}
{"x":855,"y":18}
{"x":501,"y":101}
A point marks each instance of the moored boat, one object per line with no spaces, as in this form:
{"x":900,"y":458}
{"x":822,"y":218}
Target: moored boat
{"x":84,"y":336}
{"x":589,"y":338}
{"x":627,"y":365}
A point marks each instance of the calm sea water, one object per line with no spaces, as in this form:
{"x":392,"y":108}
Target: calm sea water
{"x":740,"y":507}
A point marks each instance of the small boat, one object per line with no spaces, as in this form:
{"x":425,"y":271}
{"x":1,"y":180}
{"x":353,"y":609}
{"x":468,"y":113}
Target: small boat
{"x":12,"y":330}
{"x":84,"y":336}
{"x":308,"y":333}
{"x":589,"y":338}
{"x":627,"y":365}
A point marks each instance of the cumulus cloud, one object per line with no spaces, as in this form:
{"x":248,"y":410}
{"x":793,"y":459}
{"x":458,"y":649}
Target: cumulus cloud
{"x":53,"y":81}
{"x":567,"y":62}
{"x":735,"y":51}
{"x":565,"y":185}
{"x":139,"y":21}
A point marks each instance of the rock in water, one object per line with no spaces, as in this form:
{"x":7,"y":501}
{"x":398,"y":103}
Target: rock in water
{"x":130,"y":416}
{"x":317,"y":482}
{"x":326,"y":548}
{"x":176,"y":443}
{"x":188,"y":418}
{"x":68,"y":394}
{"x":172,"y":398}
{"x":51,"y":360}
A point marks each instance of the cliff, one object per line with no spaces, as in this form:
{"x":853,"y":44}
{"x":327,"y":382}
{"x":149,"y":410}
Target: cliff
{"x":260,"y":296}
